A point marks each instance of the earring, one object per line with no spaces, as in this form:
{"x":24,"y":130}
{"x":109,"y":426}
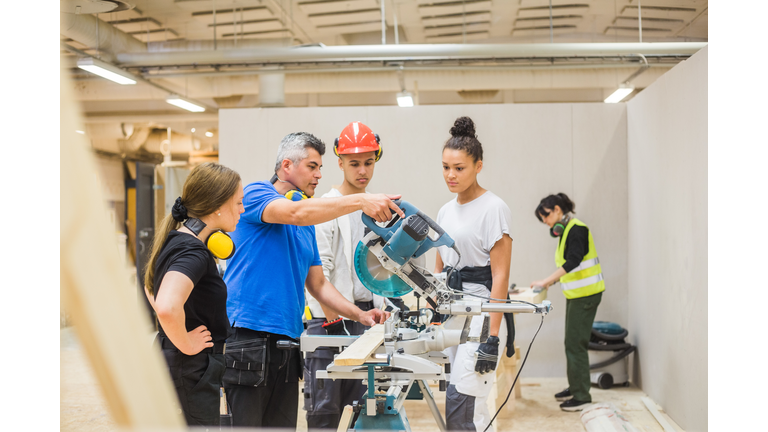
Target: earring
{"x":219,"y":213}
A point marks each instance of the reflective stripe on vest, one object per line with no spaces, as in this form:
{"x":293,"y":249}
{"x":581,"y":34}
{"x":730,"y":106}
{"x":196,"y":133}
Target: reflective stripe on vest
{"x":586,"y":279}
{"x":586,"y":264}
{"x":581,"y":283}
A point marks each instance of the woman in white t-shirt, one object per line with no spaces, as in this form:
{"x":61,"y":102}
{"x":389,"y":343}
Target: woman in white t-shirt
{"x":479,"y":222}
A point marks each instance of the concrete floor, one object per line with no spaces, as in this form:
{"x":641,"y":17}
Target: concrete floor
{"x":83,"y":409}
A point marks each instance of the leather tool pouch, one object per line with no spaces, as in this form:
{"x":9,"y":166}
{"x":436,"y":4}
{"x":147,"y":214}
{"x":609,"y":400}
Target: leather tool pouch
{"x":246,"y":362}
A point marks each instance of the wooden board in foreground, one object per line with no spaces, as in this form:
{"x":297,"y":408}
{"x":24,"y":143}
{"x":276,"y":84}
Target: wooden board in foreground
{"x":360,"y":350}
{"x":346,"y":419}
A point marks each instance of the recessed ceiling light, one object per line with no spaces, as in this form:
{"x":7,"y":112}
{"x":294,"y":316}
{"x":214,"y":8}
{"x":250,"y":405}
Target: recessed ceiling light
{"x":208,"y":134}
{"x":623,"y":91}
{"x":193,"y":130}
{"x":184,"y":103}
{"x":106,"y":70}
{"x":405,"y":99}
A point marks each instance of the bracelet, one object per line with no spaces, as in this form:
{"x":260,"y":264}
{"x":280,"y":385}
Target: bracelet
{"x":327,"y":323}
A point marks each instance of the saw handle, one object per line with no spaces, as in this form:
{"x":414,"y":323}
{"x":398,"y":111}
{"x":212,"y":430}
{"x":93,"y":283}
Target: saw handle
{"x":408,"y":209}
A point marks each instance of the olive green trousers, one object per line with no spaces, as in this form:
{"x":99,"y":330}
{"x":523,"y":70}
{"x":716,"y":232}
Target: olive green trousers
{"x":579,"y":315}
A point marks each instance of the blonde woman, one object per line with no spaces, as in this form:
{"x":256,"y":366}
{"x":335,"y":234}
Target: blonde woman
{"x":187,"y":293}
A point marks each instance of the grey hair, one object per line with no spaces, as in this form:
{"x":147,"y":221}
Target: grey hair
{"x":294,"y":148}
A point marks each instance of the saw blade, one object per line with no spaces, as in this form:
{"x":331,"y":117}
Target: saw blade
{"x":375,"y":276}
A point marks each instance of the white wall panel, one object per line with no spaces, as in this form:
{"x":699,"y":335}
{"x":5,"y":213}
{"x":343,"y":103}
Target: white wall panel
{"x":667,"y":148}
{"x":600,"y":183}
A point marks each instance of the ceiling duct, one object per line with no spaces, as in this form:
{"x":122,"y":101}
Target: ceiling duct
{"x":95,"y":33}
{"x":181,"y":144}
{"x":405,"y":52}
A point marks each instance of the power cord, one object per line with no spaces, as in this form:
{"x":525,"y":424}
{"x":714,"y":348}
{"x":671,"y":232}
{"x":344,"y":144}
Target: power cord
{"x":516,"y":376}
{"x":465,"y":293}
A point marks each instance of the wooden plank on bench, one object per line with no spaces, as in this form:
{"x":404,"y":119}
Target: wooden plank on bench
{"x":360,"y":350}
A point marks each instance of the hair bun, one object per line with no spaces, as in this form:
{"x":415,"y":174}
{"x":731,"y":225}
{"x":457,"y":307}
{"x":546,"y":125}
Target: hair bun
{"x":463,"y":127}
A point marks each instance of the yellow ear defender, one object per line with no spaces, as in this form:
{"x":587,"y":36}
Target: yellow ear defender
{"x":219,"y":243}
{"x":293,"y":194}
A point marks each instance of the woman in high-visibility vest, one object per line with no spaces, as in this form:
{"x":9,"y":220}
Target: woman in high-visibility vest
{"x":581,"y":278}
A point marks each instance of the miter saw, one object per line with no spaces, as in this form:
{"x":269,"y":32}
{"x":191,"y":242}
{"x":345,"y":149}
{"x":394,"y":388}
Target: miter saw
{"x":411,"y":353}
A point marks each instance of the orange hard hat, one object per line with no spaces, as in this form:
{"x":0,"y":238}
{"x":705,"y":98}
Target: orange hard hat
{"x":357,"y":138}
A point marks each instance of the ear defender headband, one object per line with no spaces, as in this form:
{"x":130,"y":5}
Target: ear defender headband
{"x":558,"y":228}
{"x":379,"y":152}
{"x":293,"y":194}
{"x":219,"y":243}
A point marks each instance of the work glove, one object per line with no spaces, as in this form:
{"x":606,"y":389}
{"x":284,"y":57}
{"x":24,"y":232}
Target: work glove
{"x":487,"y":355}
{"x":437,"y":318}
{"x":335,"y":327}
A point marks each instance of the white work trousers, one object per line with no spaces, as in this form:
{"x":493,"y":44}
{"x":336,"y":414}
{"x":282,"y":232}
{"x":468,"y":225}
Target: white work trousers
{"x":471,"y":383}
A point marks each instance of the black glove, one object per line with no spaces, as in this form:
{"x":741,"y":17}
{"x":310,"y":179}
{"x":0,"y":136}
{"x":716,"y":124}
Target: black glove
{"x":487,"y":355}
{"x":335,"y":327}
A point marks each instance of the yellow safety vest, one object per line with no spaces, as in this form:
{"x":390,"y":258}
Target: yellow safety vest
{"x":586,"y":279}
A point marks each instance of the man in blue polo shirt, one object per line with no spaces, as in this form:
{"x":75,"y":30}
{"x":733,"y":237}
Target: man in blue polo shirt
{"x":275,"y":258}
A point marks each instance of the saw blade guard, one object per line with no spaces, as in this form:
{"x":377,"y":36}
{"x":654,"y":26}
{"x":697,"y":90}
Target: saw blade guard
{"x":374,"y":276}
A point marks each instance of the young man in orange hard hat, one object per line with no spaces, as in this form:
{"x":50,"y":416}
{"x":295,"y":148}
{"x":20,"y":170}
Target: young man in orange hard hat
{"x":358,"y":149}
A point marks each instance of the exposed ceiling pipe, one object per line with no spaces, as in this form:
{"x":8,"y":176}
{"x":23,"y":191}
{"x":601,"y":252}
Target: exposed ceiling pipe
{"x":406,"y":52}
{"x":207,"y":45}
{"x":136,"y":140}
{"x":211,"y":73}
{"x":642,"y":69}
{"x":93,"y":32}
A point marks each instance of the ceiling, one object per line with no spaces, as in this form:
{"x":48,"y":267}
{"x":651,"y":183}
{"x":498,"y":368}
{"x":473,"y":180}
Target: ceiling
{"x":142,"y":36}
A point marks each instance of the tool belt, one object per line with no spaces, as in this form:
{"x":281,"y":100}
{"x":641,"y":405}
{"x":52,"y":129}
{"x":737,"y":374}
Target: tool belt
{"x":483,"y":276}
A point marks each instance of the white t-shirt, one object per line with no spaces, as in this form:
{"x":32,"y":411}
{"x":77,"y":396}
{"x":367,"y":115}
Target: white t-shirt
{"x":475,"y":227}
{"x":357,"y":228}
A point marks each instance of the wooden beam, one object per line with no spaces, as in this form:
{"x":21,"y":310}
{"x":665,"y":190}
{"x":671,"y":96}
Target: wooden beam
{"x":114,"y":333}
{"x":651,"y":405}
{"x":361,"y":349}
{"x":346,"y":419}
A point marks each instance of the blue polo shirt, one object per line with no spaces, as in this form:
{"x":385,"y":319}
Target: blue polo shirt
{"x":265,"y":277}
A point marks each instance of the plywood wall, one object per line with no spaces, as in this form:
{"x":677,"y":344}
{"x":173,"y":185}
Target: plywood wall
{"x":667,"y":147}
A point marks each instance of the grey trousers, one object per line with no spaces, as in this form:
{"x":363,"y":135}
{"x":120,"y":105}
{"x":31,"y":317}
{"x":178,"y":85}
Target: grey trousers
{"x":324,"y":399}
{"x":459,"y":410}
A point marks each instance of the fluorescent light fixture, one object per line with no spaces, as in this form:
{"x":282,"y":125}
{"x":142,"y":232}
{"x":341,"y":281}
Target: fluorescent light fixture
{"x":106,"y":70}
{"x":184,"y":103}
{"x":208,"y":134}
{"x":80,"y":132}
{"x":623,"y":91}
{"x":404,"y":99}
